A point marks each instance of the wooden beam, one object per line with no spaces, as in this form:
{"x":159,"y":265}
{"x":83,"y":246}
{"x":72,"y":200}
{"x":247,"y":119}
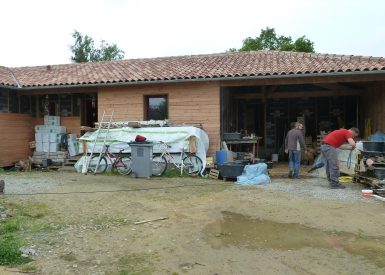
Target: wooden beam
{"x":298,"y":94}
{"x":302,"y":79}
{"x":80,"y":90}
{"x":335,"y":86}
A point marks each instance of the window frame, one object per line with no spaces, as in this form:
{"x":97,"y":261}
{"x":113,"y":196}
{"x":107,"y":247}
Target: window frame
{"x":147,"y":105}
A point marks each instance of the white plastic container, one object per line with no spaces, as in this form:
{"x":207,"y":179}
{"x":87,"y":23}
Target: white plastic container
{"x":274,"y":157}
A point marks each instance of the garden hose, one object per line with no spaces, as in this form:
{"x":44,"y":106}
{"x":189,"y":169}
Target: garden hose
{"x":349,"y":162}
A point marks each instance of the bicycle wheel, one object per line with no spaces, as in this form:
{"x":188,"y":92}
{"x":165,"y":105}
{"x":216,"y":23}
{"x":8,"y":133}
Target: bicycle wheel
{"x":192,"y":165}
{"x":159,"y":165}
{"x":102,"y":167}
{"x":123,"y":165}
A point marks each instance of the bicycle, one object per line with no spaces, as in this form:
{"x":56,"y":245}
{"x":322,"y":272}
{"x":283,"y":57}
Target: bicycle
{"x":188,"y":163}
{"x":121,"y":163}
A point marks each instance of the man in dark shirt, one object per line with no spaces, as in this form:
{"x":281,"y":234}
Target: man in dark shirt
{"x":329,"y":146}
{"x":294,"y":142}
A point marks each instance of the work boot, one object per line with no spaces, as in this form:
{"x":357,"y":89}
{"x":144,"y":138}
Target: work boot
{"x":337,"y":186}
{"x":290,"y":174}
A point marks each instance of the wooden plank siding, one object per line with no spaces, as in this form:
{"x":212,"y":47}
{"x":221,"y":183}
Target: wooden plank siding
{"x":16,"y":131}
{"x":373,"y":107}
{"x":72,"y":123}
{"x":187,"y":103}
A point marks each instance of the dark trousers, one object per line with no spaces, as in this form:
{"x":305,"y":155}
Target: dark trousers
{"x":331,"y":163}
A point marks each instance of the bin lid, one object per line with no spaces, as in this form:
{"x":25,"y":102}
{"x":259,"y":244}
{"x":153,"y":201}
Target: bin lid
{"x":140,"y":143}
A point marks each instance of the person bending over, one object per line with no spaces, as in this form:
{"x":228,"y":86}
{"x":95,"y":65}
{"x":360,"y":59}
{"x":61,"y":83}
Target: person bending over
{"x":329,"y":145}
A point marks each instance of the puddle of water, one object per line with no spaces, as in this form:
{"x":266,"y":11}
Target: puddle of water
{"x":243,"y":231}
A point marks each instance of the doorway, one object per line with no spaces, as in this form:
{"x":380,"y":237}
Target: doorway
{"x":89,"y":110}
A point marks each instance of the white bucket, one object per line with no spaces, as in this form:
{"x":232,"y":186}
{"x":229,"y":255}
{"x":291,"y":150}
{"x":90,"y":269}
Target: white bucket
{"x":274,"y":157}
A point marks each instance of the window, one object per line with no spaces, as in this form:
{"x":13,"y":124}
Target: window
{"x":156,"y":107}
{"x":25,"y":104}
{"x":13,"y":102}
{"x":65,"y":105}
{"x":4,"y":101}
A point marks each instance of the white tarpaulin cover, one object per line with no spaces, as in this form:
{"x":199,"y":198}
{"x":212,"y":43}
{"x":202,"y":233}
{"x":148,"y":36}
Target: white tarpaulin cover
{"x":176,"y":137}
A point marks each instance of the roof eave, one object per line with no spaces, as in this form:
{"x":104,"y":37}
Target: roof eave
{"x":256,"y":77}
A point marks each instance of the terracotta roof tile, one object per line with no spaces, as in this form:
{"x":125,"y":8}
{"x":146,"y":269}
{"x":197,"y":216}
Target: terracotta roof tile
{"x":6,"y":77}
{"x":226,"y":65}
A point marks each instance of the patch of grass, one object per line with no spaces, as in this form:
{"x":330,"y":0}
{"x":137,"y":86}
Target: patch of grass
{"x":70,"y":257}
{"x":10,"y":226}
{"x":174,"y":173}
{"x":111,"y":173}
{"x":360,"y":234}
{"x":136,"y":263}
{"x":10,"y":251}
{"x":11,"y":239}
{"x":28,"y":268}
{"x":31,"y":210}
{"x":51,"y":227}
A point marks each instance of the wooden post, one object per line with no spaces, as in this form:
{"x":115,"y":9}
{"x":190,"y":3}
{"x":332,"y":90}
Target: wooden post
{"x":192,"y":144}
{"x":84,"y":148}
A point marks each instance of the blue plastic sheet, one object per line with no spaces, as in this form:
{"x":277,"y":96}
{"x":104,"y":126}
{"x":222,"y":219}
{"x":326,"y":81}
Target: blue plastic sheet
{"x":254,"y":174}
{"x":377,"y":136}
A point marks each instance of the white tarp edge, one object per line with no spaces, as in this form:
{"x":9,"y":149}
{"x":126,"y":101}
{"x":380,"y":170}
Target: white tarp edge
{"x":176,"y":137}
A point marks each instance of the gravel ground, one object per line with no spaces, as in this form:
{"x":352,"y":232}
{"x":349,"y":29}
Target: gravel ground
{"x":212,"y":227}
{"x":318,"y":188}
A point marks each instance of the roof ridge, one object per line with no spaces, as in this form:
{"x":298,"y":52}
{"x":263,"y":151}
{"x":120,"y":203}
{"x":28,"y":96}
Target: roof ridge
{"x":343,"y":57}
{"x":346,"y":57}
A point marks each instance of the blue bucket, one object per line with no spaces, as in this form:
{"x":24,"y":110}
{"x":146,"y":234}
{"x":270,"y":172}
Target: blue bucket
{"x":221,"y":156}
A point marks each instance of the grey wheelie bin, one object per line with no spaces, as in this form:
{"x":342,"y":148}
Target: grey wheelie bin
{"x":141,"y":157}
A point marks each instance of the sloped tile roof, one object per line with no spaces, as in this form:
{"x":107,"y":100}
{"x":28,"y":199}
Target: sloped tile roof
{"x":211,"y":66}
{"x":6,"y":77}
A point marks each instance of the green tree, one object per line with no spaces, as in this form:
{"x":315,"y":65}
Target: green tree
{"x":83,"y":50}
{"x":269,"y":40}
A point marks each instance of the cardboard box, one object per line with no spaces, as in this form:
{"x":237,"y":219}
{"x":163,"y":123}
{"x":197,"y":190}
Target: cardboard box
{"x":54,"y":137}
{"x":38,"y":137}
{"x":73,"y":148}
{"x":39,"y":147}
{"x":52,"y":120}
{"x":46,"y":147}
{"x":54,"y":147}
{"x":45,"y":137}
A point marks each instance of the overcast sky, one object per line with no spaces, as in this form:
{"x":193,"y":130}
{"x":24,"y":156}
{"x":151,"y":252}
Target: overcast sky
{"x":38,"y":32}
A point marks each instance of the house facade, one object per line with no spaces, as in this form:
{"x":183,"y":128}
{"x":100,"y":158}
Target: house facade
{"x":259,"y":92}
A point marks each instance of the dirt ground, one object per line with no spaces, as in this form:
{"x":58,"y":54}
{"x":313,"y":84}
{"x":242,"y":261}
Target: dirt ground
{"x":208,"y":226}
